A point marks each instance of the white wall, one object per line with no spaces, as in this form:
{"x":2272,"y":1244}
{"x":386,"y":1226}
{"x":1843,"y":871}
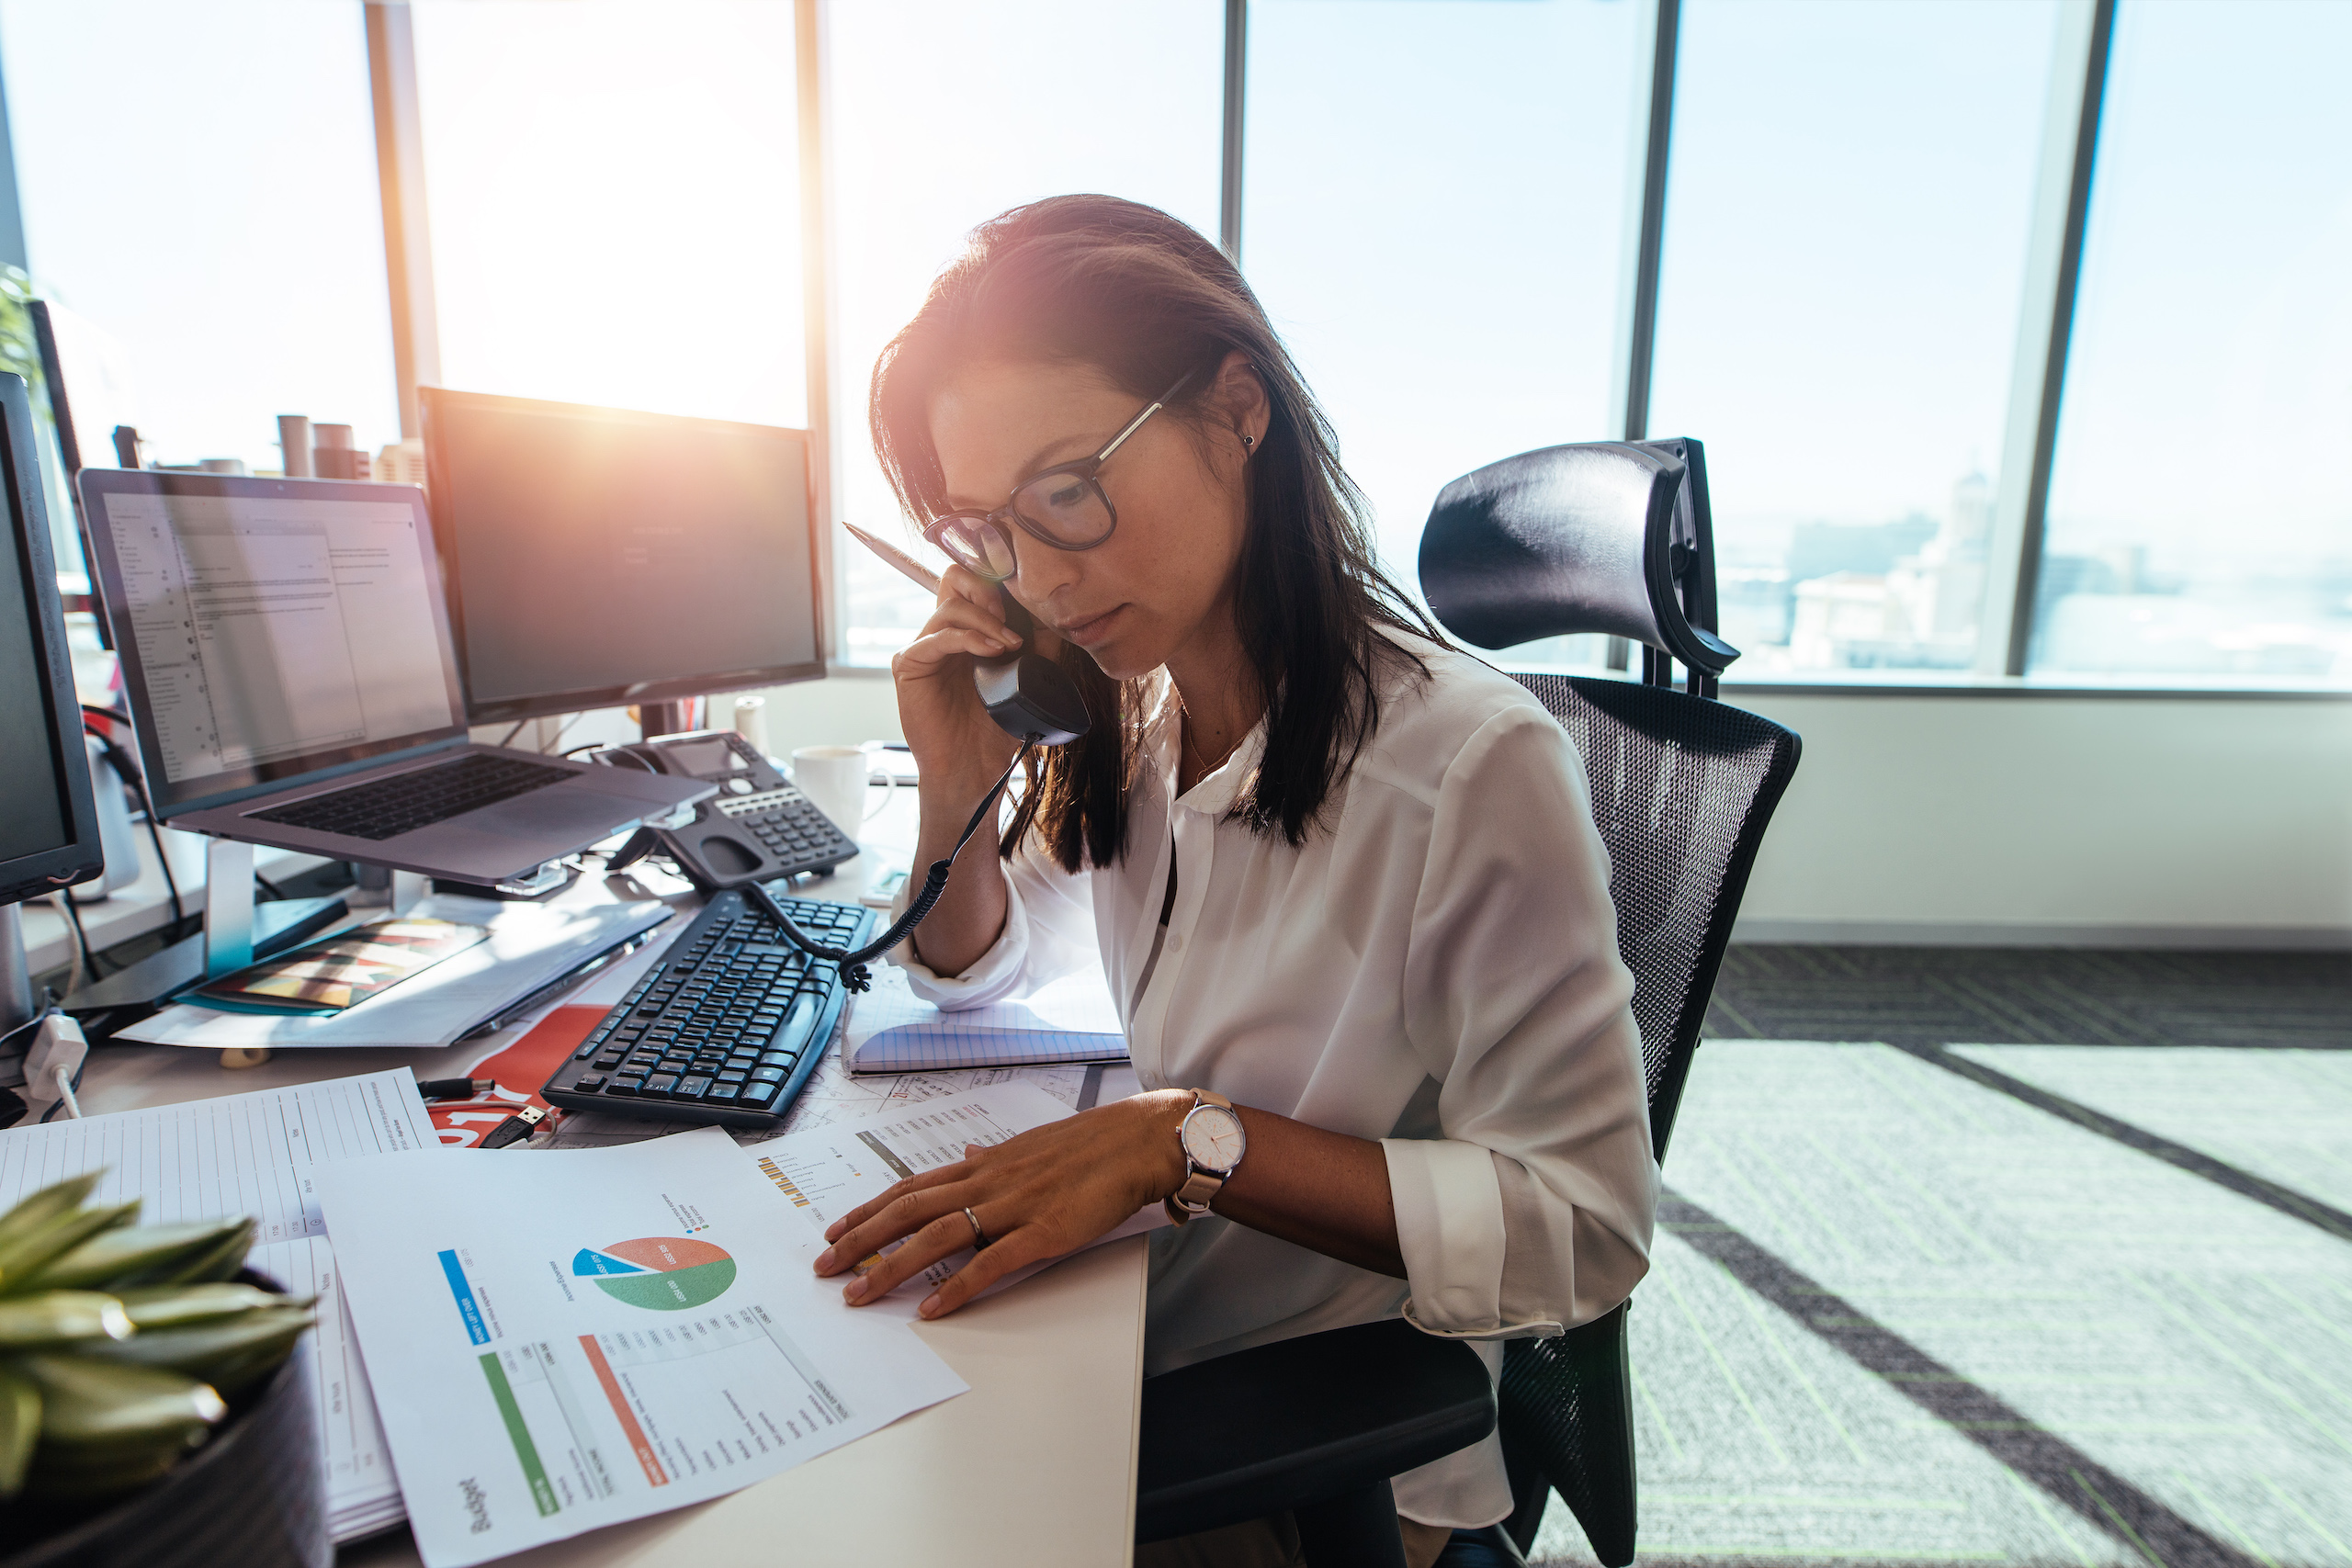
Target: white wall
{"x":2141,"y":821}
{"x":2034,"y":819}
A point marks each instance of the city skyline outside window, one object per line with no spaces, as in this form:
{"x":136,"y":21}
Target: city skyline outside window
{"x":1444,"y":266}
{"x":218,"y":271}
{"x":914,"y":171}
{"x":2199,"y":519}
{"x":1847,"y":205}
{"x":613,"y":192}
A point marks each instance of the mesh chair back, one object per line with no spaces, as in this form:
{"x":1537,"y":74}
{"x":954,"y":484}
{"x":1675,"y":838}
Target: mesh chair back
{"x":1681,"y":790}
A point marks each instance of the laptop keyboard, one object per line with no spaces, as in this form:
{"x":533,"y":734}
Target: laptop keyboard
{"x":385,"y":808}
{"x":727,"y":1028}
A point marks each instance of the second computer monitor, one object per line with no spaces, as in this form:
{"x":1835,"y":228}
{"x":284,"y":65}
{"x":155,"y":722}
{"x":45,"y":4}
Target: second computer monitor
{"x":597,"y":557}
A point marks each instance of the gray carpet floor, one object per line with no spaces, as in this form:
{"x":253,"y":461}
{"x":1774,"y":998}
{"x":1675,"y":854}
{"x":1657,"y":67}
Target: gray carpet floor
{"x":2006,"y":1257}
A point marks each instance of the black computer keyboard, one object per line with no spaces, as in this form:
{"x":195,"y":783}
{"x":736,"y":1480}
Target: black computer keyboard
{"x":385,"y":808}
{"x":727,"y":1028}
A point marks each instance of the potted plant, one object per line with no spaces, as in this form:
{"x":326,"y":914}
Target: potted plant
{"x":151,"y":1412}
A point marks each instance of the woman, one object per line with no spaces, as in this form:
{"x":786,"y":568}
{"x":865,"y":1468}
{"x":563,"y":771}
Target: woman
{"x":1338,"y":874}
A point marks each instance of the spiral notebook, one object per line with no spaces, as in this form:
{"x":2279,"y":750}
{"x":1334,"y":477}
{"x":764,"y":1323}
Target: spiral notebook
{"x":893,"y":1031}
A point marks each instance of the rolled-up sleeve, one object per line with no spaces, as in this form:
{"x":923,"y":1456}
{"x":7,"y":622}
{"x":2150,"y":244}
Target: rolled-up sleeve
{"x":1048,"y":933}
{"x":1532,"y":1211}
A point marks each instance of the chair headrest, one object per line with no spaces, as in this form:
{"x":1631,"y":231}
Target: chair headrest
{"x":1588,"y":538}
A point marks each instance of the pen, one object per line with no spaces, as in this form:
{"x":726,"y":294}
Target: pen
{"x":909,"y":568}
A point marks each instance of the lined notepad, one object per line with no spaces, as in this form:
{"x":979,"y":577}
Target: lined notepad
{"x":893,"y":1031}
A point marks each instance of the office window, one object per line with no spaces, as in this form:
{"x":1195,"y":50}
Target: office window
{"x":198,"y":187}
{"x":614,"y":198}
{"x":947,"y":114}
{"x":2199,"y":524}
{"x":1845,"y":236}
{"x":1434,"y":209}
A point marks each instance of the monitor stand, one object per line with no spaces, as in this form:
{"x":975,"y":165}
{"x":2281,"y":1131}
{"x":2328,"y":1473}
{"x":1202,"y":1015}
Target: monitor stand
{"x":665,"y":718}
{"x":17,"y":1003}
{"x":236,"y":931}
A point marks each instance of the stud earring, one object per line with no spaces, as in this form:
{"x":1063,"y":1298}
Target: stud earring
{"x":1248,"y":441}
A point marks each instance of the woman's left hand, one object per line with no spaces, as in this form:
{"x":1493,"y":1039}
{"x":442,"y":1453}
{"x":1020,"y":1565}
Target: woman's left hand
{"x":1040,"y":1195}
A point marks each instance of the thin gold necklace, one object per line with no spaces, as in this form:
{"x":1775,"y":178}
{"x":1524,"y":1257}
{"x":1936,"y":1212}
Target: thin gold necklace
{"x":1184,"y":733}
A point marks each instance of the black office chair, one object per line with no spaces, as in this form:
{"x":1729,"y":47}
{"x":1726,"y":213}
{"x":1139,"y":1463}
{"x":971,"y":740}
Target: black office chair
{"x":1611,"y":537}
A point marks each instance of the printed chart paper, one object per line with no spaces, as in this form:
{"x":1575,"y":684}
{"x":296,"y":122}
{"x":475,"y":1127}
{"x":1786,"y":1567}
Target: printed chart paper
{"x":828,"y":1170}
{"x":257,"y":1153}
{"x":570,"y":1338}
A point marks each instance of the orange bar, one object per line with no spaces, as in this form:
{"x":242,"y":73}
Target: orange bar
{"x":645,"y":1454}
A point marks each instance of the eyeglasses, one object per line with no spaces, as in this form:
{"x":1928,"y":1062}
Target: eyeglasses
{"x":1062,"y":506}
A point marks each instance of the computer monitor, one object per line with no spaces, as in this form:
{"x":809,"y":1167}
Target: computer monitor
{"x":49,"y":818}
{"x":270,"y":628}
{"x":597,"y":557}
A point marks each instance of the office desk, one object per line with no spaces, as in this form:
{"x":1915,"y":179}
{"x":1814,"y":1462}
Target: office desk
{"x":1036,"y":1465}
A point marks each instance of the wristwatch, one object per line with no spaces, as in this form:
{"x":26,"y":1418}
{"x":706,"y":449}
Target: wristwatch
{"x":1212,"y":1138}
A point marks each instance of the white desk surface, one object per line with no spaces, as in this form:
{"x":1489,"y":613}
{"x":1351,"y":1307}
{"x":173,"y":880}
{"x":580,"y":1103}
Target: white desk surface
{"x":1036,"y":1465}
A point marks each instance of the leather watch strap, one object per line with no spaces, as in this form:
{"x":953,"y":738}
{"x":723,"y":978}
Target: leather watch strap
{"x":1200,"y":1187}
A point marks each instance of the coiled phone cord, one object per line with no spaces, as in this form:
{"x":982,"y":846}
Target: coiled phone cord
{"x":854,"y":974}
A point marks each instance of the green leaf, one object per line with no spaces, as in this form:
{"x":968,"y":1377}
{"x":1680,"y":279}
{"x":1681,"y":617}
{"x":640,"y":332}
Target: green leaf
{"x":228,"y":1353}
{"x":220,"y":1261}
{"x":60,"y":1317}
{"x":96,"y":1406}
{"x":170,"y":1306}
{"x":123,"y":1259}
{"x":21,"y":1261}
{"x":45,"y":1205}
{"x":19,"y":1429}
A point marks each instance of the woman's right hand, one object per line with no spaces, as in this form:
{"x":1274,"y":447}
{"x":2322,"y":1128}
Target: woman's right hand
{"x":954,"y":742}
{"x":958,"y":754}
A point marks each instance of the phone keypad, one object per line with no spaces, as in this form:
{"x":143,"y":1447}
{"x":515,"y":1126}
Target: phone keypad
{"x":789,"y":824}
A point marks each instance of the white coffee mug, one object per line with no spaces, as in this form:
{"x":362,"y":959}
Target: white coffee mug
{"x":835,"y":777}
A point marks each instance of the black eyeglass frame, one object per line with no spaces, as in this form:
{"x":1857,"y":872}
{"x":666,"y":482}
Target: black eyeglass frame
{"x":1086,"y":468}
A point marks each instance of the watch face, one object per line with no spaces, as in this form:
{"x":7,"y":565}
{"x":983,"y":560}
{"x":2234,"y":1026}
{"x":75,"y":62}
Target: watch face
{"x":1213,"y":1137}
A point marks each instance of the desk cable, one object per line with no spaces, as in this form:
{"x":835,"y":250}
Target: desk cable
{"x":854,"y":974}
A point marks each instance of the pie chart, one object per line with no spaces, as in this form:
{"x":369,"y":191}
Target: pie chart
{"x":660,"y":1273}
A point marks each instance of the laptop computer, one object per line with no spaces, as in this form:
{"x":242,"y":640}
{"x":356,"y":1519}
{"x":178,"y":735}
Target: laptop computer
{"x":285,"y":650}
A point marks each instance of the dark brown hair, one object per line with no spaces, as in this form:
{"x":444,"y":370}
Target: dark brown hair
{"x":1143,"y":299}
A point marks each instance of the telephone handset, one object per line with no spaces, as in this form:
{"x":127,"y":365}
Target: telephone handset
{"x":1032,"y":699}
{"x":1030,"y":696}
{"x":757,"y":828}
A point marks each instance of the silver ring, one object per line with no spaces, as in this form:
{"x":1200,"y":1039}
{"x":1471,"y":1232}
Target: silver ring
{"x":979,"y":1236}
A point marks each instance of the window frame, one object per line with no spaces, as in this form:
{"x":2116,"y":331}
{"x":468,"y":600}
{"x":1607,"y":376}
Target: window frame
{"x":2045,"y":328}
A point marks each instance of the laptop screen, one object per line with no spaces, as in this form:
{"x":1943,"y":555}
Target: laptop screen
{"x":271,"y":628}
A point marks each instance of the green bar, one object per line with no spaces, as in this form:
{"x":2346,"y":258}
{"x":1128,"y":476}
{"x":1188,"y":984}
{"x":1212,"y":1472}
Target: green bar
{"x":524,"y":1449}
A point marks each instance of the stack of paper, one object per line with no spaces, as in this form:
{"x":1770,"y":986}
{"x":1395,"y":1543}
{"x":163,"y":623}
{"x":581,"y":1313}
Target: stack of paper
{"x":258,"y":1154}
{"x":564,"y":1341}
{"x":531,"y":946}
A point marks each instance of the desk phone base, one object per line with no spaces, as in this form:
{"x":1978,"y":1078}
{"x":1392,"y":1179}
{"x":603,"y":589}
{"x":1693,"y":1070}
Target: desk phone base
{"x":758,"y":827}
{"x":727,"y":1028}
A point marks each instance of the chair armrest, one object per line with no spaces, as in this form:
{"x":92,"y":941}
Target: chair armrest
{"x":1301,"y":1421}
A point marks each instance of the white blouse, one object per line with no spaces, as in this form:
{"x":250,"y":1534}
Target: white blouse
{"x":1435,"y":968}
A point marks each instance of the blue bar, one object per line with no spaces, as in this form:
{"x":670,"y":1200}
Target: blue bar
{"x":466,"y":1307}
